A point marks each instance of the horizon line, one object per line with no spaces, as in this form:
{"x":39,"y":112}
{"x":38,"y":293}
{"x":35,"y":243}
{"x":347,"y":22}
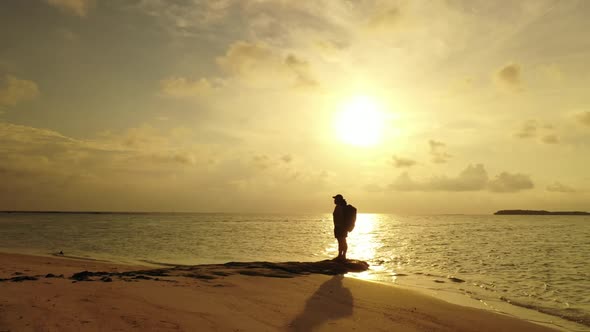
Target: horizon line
{"x":197,"y":212}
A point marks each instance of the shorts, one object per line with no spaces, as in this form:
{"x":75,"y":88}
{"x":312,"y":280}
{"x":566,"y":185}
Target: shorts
{"x":340,"y":233}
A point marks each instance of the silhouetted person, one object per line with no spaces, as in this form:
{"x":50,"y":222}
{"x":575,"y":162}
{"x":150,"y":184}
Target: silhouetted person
{"x":340,"y":225}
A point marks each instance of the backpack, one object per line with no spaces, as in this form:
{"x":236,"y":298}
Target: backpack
{"x":350,"y":217}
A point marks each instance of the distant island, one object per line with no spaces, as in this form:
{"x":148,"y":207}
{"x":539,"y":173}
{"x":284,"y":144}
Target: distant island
{"x":542,"y":213}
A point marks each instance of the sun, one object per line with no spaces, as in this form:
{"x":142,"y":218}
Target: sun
{"x":360,"y":121}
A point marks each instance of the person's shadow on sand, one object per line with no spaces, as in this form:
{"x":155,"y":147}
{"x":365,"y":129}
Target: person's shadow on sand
{"x":330,"y":302}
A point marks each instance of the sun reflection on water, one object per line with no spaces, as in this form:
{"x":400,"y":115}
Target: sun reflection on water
{"x":363,"y":244}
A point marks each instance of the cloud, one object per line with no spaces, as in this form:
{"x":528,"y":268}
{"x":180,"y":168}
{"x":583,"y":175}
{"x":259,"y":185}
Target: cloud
{"x":473,"y":178}
{"x":73,"y":7}
{"x":506,"y":182}
{"x":287,"y":158}
{"x":405,"y":183}
{"x":550,"y":139}
{"x":48,"y":157}
{"x":14,"y":90}
{"x":373,"y":188}
{"x":260,"y":63}
{"x":301,"y":70}
{"x":438,"y":153}
{"x":531,"y":129}
{"x":385,"y":19}
{"x":262,"y":161}
{"x":560,"y":188}
{"x":243,"y":58}
{"x":180,"y":87}
{"x":43,"y":169}
{"x":399,"y":162}
{"x":584,"y":118}
{"x":528,"y":130}
{"x":509,"y":77}
{"x":184,"y":158}
{"x":188,"y":18}
{"x":14,"y":135}
{"x":254,"y":65}
{"x":283,"y":23}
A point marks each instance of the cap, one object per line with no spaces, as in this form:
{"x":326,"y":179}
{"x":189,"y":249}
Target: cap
{"x":338,"y":197}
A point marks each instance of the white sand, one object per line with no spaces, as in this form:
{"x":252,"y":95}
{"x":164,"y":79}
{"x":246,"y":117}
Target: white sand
{"x":235,"y":302}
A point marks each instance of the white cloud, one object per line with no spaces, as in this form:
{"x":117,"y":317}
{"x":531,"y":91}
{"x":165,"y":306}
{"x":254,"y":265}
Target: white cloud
{"x":180,"y":87}
{"x":509,"y":77}
{"x":528,"y":130}
{"x":550,"y":139}
{"x":399,"y":162}
{"x":258,"y":63}
{"x":13,"y":135}
{"x":532,"y":128}
{"x":438,"y":152}
{"x":560,"y":188}
{"x":473,"y":178}
{"x":506,"y":182}
{"x":73,"y":7}
{"x":385,"y":19}
{"x":255,"y":65}
{"x":188,"y":18}
{"x":287,"y":158}
{"x":14,"y":90}
{"x":244,"y":58}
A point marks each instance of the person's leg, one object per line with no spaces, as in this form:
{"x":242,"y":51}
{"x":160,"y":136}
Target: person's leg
{"x":339,"y":247}
{"x":344,"y":247}
{"x":337,"y":239}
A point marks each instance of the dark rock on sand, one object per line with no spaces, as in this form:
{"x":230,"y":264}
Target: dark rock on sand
{"x":142,"y":277}
{"x":22,"y":278}
{"x":200,"y":276}
{"x":85,"y":275}
{"x":214,"y":271}
{"x":51,"y":275}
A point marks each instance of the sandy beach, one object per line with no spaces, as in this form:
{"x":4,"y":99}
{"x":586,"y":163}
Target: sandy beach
{"x":62,"y":294}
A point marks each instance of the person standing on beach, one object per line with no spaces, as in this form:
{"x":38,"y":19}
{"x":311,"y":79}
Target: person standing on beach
{"x":341,"y":225}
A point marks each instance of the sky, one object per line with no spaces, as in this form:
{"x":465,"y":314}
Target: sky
{"x":406,"y":107}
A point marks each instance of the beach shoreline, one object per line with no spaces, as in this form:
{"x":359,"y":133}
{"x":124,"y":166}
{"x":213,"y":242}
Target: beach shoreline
{"x":218,"y":297}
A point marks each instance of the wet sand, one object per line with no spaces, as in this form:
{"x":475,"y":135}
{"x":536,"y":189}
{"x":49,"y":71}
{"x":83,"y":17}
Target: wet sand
{"x":60,"y":294}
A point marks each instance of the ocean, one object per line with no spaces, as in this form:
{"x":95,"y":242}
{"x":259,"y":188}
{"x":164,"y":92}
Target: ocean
{"x":513,"y":264}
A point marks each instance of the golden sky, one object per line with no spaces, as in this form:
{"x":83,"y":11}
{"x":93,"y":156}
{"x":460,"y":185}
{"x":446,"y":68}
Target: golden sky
{"x":409,"y":107}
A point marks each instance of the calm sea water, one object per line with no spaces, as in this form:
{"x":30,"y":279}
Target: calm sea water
{"x":536,"y":262}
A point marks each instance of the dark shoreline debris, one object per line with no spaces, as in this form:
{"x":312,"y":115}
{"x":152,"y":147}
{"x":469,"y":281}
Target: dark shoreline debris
{"x":215,"y":271}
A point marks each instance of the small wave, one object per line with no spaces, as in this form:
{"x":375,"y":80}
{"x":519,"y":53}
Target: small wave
{"x":161,"y":263}
{"x":570,"y":314}
{"x":79,"y":258}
